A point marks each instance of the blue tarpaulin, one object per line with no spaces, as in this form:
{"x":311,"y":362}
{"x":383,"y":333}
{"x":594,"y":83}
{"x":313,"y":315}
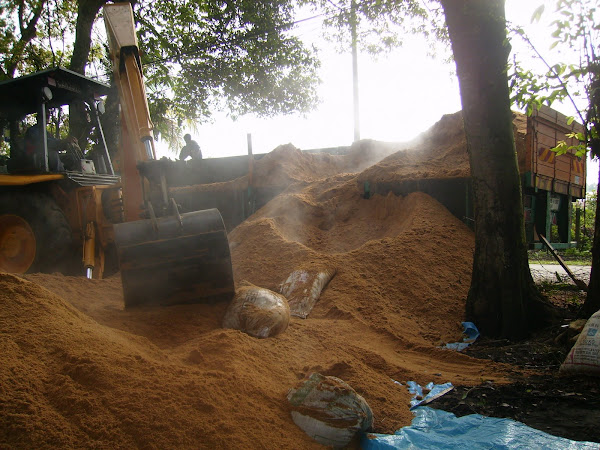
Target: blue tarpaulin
{"x":440,"y":430}
{"x":470,"y":335}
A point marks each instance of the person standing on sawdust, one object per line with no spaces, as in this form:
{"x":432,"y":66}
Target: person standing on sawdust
{"x":191,"y":149}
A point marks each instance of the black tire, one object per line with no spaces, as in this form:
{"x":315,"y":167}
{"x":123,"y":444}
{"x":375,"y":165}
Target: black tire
{"x":52,"y":232}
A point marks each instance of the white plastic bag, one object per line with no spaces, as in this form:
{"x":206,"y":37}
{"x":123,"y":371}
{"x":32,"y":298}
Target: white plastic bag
{"x":329,"y":410}
{"x":302,"y":290}
{"x":258,"y":312}
{"x":584,"y":357}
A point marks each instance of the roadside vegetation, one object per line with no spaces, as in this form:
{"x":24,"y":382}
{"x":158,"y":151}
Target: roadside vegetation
{"x":582,"y":232}
{"x":572,"y":256}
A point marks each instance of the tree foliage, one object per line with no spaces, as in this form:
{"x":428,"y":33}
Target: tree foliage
{"x":200,"y":56}
{"x":576,"y":31}
{"x":587,"y":218}
{"x":33,"y":36}
{"x":381,"y":24}
{"x":233,"y":56}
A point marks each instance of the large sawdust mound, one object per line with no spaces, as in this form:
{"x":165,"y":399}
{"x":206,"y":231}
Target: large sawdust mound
{"x":296,"y":167}
{"x":392,"y":256}
{"x":77,"y":370}
{"x":287,"y":166}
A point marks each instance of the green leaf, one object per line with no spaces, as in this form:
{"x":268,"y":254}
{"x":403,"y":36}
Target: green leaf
{"x":537,"y":14}
{"x":561,"y":148}
{"x":559,"y":68}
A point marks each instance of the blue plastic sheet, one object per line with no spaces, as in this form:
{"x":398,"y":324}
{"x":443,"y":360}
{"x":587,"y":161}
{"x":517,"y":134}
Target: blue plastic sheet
{"x":434,"y":429}
{"x":470,"y":332}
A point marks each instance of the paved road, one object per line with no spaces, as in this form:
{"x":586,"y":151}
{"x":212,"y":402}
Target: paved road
{"x":554,"y":273}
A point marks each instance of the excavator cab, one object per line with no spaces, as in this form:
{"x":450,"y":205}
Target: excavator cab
{"x":52,"y":189}
{"x":29,"y":100}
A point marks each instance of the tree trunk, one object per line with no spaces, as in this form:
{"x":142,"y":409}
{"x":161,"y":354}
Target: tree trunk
{"x":592,"y":302}
{"x":87,"y":10}
{"x":502,"y":292}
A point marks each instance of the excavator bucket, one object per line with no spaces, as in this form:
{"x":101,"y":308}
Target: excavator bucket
{"x":175,"y":259}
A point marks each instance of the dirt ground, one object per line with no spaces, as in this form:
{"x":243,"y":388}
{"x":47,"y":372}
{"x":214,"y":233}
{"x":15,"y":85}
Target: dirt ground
{"x":566,"y":406}
{"x":80,"y":370}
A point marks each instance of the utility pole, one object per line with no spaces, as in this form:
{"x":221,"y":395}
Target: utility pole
{"x":355,"y":70}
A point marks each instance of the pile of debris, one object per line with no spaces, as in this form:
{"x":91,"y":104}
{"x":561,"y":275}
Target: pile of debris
{"x":77,"y":369}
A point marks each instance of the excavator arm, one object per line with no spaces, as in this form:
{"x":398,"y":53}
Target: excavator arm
{"x":137,"y":143}
{"x":167,"y":257}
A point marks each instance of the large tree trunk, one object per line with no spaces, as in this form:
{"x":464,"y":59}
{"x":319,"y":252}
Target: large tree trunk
{"x":502,"y":291}
{"x":592,"y":302}
{"x":87,"y":10}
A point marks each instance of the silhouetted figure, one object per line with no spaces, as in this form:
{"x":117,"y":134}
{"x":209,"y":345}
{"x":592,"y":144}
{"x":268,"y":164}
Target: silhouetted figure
{"x":191,"y":149}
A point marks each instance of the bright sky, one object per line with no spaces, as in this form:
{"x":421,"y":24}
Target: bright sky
{"x":401,"y":95}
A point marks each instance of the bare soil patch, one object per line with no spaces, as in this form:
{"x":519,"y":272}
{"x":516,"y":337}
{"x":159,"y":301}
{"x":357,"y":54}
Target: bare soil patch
{"x":566,"y":406}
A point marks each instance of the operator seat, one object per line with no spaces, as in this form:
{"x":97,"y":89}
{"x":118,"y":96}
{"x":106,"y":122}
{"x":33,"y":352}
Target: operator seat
{"x":30,"y":157}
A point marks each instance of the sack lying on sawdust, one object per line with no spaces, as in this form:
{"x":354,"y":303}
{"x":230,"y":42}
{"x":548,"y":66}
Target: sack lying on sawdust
{"x":329,"y":410}
{"x":302,"y":290}
{"x":584,"y":357}
{"x":258,"y":312}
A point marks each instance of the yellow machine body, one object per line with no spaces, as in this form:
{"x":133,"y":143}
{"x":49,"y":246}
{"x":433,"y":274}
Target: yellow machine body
{"x":164,"y":256}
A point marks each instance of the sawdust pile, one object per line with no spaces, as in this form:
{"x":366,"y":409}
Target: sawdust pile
{"x":440,"y":152}
{"x":77,"y":370}
{"x":287,"y":164}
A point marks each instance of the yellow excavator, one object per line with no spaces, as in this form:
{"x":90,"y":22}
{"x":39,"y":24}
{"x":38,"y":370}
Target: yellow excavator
{"x":54,"y":196}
